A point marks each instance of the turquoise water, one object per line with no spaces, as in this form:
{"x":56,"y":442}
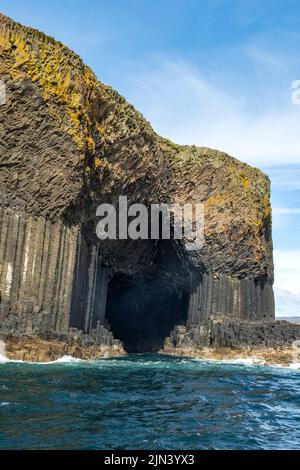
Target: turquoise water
{"x":148,"y":402}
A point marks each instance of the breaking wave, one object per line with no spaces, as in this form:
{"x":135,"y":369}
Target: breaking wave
{"x":61,"y":360}
{"x":149,"y":402}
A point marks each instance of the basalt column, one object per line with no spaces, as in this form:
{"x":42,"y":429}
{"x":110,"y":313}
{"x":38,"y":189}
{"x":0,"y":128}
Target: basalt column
{"x":215,"y":296}
{"x":91,"y":280}
{"x":50,"y":278}
{"x":226,"y":311}
{"x":37,"y":260}
{"x":70,"y":143}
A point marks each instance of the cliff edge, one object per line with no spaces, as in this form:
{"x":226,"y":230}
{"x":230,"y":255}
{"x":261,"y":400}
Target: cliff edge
{"x":69,"y":143}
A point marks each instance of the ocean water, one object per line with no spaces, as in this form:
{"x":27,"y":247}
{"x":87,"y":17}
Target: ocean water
{"x":148,"y":402}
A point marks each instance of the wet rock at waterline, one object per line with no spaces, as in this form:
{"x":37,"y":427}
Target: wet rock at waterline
{"x":70,"y":143}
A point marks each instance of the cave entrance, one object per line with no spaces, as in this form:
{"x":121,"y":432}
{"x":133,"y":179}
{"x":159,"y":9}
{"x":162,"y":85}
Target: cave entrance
{"x":143,"y":314}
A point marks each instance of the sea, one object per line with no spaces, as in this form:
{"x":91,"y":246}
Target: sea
{"x":149,"y":402}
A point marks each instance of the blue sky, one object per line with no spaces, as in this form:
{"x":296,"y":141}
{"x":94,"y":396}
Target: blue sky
{"x":216,"y":73}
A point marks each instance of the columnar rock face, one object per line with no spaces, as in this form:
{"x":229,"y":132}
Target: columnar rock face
{"x":216,"y":296}
{"x":232,"y":334}
{"x":68,"y":143}
{"x":90,"y":285}
{"x":37,"y":262}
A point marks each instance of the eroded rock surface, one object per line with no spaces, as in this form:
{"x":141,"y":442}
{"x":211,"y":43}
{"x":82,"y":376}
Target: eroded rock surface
{"x":68,"y":143}
{"x":53,"y":347}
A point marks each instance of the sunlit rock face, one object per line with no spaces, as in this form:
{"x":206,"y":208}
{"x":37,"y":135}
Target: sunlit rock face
{"x":68,"y":143}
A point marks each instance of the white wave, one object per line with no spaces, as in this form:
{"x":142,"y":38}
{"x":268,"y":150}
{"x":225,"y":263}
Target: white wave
{"x":5,"y":403}
{"x":61,"y":360}
{"x":247,"y":361}
{"x":292,"y":365}
{"x":65,"y":360}
{"x":250,"y":361}
{"x":102,"y":362}
{"x":3,"y":359}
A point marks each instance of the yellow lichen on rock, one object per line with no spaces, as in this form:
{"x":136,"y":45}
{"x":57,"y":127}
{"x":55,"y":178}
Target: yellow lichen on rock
{"x":116,"y":146}
{"x":216,"y":200}
{"x":61,"y":75}
{"x":246,"y":182}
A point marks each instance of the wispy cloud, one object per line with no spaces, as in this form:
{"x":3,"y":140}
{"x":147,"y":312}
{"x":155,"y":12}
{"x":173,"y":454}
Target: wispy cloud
{"x":190,"y":106}
{"x":287,"y":282}
{"x":287,"y":270}
{"x":285,"y":211}
{"x":278,"y":61}
{"x":285,"y":179}
{"x":287,"y":303}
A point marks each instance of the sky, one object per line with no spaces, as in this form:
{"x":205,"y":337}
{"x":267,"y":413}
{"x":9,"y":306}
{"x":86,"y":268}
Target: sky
{"x":214,"y":73}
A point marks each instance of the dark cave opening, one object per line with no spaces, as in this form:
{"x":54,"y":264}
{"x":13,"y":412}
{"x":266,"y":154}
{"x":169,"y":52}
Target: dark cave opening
{"x":142,"y":315}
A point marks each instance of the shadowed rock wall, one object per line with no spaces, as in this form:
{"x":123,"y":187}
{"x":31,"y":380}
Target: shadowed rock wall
{"x":90,"y":286}
{"x":37,"y":261}
{"x":50,"y":278}
{"x":231,"y":334}
{"x":216,"y":296}
{"x":69,"y":143}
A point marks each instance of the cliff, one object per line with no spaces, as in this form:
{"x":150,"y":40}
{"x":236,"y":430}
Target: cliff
{"x":68,"y":143}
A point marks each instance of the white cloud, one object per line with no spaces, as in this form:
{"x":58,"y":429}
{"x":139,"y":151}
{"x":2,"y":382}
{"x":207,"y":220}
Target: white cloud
{"x":287,"y":282}
{"x":285,"y":210}
{"x":286,"y":219}
{"x":280,"y":62}
{"x":191,"y":107}
{"x":287,"y":270}
{"x":287,"y":304}
{"x":285,"y":179}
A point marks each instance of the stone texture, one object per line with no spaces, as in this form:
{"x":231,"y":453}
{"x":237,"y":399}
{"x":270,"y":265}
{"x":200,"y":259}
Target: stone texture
{"x":286,"y":356}
{"x":233,"y":334}
{"x":214,"y":296}
{"x":68,"y":143}
{"x":47,"y":349}
{"x":37,"y":262}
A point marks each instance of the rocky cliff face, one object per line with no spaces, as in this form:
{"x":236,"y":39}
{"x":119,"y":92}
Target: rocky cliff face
{"x":68,"y":143}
